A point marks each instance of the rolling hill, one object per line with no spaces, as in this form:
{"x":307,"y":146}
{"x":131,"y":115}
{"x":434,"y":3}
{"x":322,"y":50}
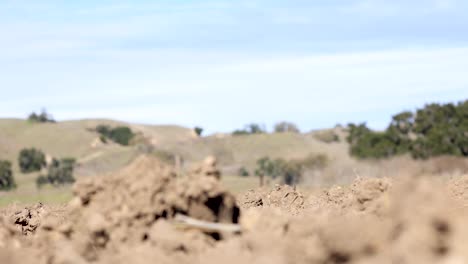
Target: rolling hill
{"x":78,"y":140}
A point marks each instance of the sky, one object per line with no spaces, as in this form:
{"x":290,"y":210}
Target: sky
{"x":222,"y":64}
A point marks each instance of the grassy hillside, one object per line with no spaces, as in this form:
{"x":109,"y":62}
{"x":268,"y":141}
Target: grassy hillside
{"x":71,"y":139}
{"x":77,"y":139}
{"x":246,"y":149}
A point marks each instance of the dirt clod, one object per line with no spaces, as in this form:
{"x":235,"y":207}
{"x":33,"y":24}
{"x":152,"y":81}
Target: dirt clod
{"x":129,"y":217}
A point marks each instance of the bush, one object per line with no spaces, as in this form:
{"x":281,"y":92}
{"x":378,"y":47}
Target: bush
{"x":290,"y":171}
{"x":198,"y":131}
{"x":356,"y":132}
{"x":7,"y":181}
{"x":376,"y":145}
{"x":240,"y":132}
{"x":243,"y":172}
{"x":104,"y":130}
{"x":265,"y":166}
{"x":43,"y":117}
{"x":60,"y":172}
{"x":121,"y":135}
{"x":250,"y":129}
{"x":284,"y":127}
{"x":31,"y":160}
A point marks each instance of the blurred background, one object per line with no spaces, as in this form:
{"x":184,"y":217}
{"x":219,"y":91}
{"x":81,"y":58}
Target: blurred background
{"x":304,"y":92}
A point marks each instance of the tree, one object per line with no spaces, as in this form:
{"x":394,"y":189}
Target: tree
{"x":43,"y":117}
{"x":374,"y":145}
{"x":292,"y":173}
{"x":104,"y":130}
{"x":198,"y":131}
{"x":121,"y":135}
{"x":356,"y":132}
{"x":265,"y":166}
{"x":250,"y":129}
{"x":289,"y":171}
{"x":7,"y":181}
{"x":60,"y":172}
{"x":283,"y":127}
{"x":31,"y":160}
{"x":255,"y":128}
{"x":434,"y":130}
{"x":403,"y":122}
{"x":240,"y":132}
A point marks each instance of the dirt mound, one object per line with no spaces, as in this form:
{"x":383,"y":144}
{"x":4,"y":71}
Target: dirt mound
{"x":129,"y":208}
{"x":15,"y":223}
{"x":28,"y":219}
{"x":131,"y":217}
{"x":10,"y":236}
{"x":418,"y":222}
{"x":283,"y":197}
{"x":458,"y":188}
{"x":365,"y":195}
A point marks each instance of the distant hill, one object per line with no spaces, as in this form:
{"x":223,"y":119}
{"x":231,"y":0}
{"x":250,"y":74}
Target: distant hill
{"x":77,"y":139}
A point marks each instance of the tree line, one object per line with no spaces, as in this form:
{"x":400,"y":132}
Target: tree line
{"x":434,"y":130}
{"x":58,"y":171}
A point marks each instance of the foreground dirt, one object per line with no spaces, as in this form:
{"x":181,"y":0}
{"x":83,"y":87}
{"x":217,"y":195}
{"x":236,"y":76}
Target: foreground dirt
{"x":133,"y":217}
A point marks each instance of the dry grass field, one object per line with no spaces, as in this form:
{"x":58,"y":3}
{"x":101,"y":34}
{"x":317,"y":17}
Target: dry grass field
{"x":75,"y":139}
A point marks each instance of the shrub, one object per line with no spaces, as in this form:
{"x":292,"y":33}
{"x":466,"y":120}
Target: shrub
{"x":265,"y":166}
{"x":250,"y":129}
{"x":240,"y":132}
{"x":289,"y":171}
{"x":104,"y":130}
{"x":43,"y":117}
{"x":198,"y":131}
{"x":31,"y":160}
{"x":374,"y":145}
{"x":7,"y":181}
{"x":283,"y":127}
{"x":60,"y":172}
{"x":243,"y":172}
{"x":121,"y":135}
{"x":356,"y":132}
{"x":292,"y":173}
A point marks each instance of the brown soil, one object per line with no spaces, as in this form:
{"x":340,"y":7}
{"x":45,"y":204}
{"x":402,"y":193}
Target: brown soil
{"x":130,"y":217}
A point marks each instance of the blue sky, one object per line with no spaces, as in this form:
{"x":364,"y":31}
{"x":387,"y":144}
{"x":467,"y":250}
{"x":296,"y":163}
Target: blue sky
{"x":222,"y":64}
